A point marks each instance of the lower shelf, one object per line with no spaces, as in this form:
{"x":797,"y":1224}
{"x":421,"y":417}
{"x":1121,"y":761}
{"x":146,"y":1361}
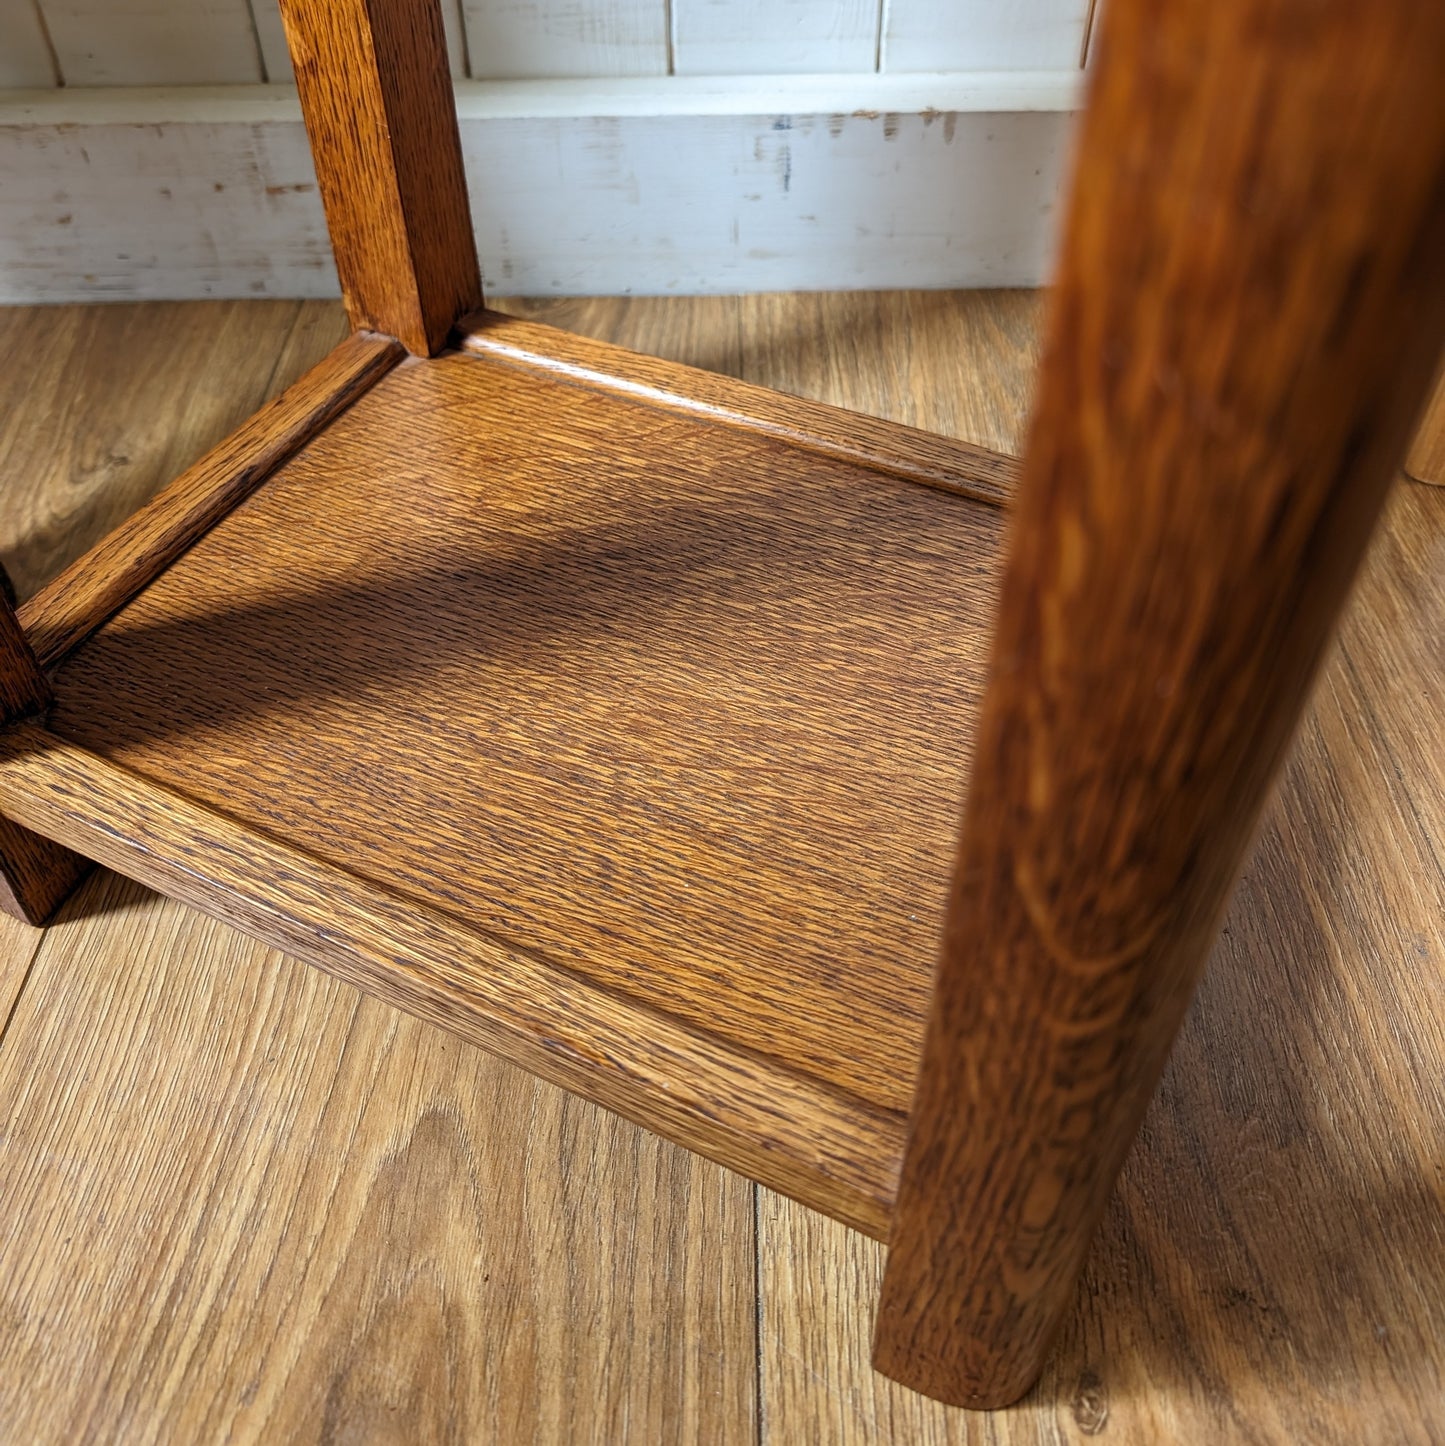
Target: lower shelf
{"x":619,"y":728}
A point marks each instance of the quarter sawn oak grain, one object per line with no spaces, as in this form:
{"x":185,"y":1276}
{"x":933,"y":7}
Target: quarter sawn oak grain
{"x":1250,"y":303}
{"x":376,"y":91}
{"x":731,"y":673}
{"x":229,"y":1219}
{"x":87,"y":592}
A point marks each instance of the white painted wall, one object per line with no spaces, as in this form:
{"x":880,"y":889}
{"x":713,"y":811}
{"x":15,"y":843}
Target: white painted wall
{"x":153,"y":42}
{"x":983,"y":34}
{"x":230,"y":42}
{"x":509,"y":39}
{"x":24,"y":51}
{"x":614,"y":145}
{"x":774,"y":37}
{"x":643,"y":186}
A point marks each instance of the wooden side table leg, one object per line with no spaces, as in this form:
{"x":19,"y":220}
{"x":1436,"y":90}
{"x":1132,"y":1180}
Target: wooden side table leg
{"x":1425,"y":461}
{"x":35,"y":874}
{"x":1250,"y":304}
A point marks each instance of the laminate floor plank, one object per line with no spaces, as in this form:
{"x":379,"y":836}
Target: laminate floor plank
{"x":254,"y":1205}
{"x":104,"y":405}
{"x":18,"y":944}
{"x":239,"y":1201}
{"x":1272,"y":1268}
{"x":245,"y":1203}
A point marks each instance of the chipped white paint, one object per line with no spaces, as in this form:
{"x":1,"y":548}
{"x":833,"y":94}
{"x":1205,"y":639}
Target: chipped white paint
{"x":549,"y":38}
{"x":277,"y":59}
{"x":629,"y":186}
{"x":924,"y":35}
{"x":774,"y":37}
{"x":153,"y":42}
{"x":24,"y":55}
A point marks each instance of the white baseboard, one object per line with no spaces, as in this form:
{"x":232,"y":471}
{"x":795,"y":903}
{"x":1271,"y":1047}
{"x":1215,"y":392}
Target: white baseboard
{"x":578,"y":187}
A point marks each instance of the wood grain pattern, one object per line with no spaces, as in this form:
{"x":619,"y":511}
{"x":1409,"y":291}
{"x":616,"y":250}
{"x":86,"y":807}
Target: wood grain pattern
{"x":1190,"y":519}
{"x":271,"y":35}
{"x":851,"y":438}
{"x":1269,"y":1270}
{"x":377,"y":96}
{"x":113,"y":402}
{"x":18,"y":943}
{"x":949,"y":364}
{"x":34,"y":874}
{"x":830,"y":1149}
{"x":1425,"y":461}
{"x":23,"y":687}
{"x":93,"y":587}
{"x":152,"y":404}
{"x":245,"y":1203}
{"x":737,"y":687}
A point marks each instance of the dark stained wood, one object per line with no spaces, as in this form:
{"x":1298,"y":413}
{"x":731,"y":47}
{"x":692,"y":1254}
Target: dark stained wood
{"x":658,"y":703}
{"x":1425,"y":461}
{"x":23,"y":688}
{"x":832,"y":433}
{"x":376,"y":92}
{"x":74,"y":604}
{"x":35,"y":874}
{"x":1250,"y":306}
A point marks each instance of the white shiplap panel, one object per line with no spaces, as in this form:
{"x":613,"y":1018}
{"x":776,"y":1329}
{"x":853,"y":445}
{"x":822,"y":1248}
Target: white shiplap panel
{"x":24,"y":55}
{"x":774,"y":37}
{"x":153,"y":42}
{"x":526,"y":39}
{"x":925,"y":35}
{"x":649,"y":187}
{"x":277,"y":60}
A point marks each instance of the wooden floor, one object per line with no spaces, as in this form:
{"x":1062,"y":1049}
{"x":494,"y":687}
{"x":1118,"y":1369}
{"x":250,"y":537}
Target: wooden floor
{"x":240,"y":1202}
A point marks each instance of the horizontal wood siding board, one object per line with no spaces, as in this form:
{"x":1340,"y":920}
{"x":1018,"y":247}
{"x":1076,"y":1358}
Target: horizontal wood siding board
{"x":277,"y":59}
{"x":794,"y":1135}
{"x":130,"y":204}
{"x":548,"y":38}
{"x":139,"y":42}
{"x":774,"y":37}
{"x":925,"y":35}
{"x":25,"y":58}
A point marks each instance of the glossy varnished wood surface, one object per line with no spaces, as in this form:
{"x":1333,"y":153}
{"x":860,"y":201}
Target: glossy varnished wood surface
{"x":86,"y":593}
{"x":376,"y":92}
{"x":130,"y":396}
{"x":850,"y":438}
{"x":1249,"y":307}
{"x":1425,"y":461}
{"x":670,"y":705}
{"x":1270,"y":1269}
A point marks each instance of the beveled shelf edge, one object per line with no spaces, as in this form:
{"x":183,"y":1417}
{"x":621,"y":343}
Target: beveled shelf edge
{"x":826,"y":1149}
{"x":852,"y":437}
{"x":100,"y":582}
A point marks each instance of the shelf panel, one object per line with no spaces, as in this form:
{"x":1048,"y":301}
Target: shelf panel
{"x":674,"y":710}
